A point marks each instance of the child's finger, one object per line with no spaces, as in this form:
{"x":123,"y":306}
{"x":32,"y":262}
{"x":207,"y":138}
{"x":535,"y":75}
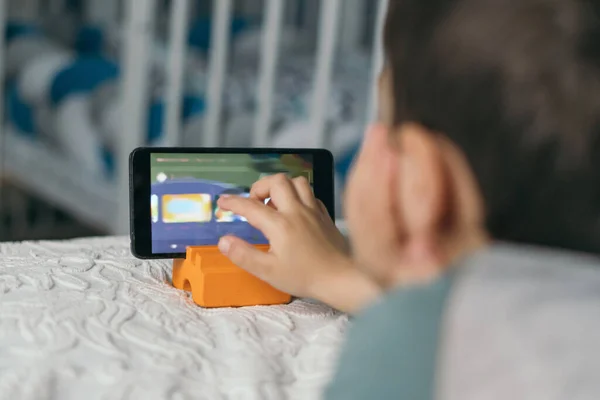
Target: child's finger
{"x":256,"y":213}
{"x":279,"y":188}
{"x":305,"y":192}
{"x":247,"y":257}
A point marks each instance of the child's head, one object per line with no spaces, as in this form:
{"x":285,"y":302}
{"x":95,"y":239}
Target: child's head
{"x":490,"y":122}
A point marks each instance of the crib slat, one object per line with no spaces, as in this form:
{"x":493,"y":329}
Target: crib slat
{"x":217,"y":71}
{"x":326,"y":51}
{"x":178,"y":28}
{"x":378,"y":58}
{"x":268,"y":71}
{"x":139,"y":16}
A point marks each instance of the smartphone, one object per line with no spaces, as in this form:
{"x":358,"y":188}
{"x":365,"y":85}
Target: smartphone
{"x":174,"y":193}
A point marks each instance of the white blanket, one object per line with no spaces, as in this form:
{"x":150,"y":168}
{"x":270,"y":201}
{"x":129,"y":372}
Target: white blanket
{"x":83,"y":319}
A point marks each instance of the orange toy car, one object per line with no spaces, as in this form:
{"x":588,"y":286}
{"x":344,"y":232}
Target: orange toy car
{"x":215,"y":282}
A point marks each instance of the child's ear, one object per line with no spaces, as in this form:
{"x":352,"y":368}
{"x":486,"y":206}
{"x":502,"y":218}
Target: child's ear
{"x":420,"y":186}
{"x":421,"y":179}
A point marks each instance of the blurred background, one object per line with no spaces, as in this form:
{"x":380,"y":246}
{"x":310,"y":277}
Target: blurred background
{"x":86,"y":81}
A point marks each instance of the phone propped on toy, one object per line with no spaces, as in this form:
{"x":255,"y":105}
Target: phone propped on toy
{"x":174,"y":193}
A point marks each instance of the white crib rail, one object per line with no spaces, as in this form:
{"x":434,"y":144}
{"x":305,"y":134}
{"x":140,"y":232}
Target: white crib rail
{"x":217,"y":71}
{"x":178,"y":34}
{"x":268,"y":71}
{"x":134,"y":94}
{"x":326,"y":52}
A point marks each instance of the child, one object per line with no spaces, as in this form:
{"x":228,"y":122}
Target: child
{"x":473,"y":210}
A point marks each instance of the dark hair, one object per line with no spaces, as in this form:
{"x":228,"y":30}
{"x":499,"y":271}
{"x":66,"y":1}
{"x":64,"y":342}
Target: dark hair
{"x":515,"y":84}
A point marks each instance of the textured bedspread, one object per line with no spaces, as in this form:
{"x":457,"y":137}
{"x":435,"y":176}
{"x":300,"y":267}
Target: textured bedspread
{"x":85,"y":320}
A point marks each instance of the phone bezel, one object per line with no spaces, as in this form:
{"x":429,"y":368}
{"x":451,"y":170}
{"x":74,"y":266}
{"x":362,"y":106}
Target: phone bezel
{"x":140,"y":187}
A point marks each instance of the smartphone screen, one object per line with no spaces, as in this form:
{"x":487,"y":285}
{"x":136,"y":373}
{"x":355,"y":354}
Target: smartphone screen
{"x":174,"y":193}
{"x":185,"y":189}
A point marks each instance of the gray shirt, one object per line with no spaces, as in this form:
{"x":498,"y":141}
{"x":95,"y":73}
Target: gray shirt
{"x":510,"y":322}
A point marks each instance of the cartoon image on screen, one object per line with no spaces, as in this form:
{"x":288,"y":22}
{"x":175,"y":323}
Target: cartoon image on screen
{"x":186,"y":187}
{"x":181,"y":208}
{"x":154,"y":207}
{"x":228,"y":216}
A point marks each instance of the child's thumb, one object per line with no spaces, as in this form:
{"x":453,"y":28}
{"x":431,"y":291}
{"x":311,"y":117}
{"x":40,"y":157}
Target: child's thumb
{"x":246,"y":256}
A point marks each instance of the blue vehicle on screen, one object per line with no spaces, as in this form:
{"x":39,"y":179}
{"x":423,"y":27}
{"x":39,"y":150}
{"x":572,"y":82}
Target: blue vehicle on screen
{"x":185,"y":213}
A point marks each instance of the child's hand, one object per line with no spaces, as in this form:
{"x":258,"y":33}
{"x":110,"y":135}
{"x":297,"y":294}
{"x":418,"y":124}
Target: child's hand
{"x":308,"y":257}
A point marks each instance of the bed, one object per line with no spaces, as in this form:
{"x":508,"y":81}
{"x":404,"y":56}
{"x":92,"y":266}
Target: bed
{"x":84,"y":319}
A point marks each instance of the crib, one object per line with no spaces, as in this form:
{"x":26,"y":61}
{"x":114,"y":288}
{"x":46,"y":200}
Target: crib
{"x":113,"y":75}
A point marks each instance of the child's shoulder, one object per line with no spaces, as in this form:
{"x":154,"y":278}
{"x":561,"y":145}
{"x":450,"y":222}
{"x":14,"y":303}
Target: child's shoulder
{"x":391,"y":348}
{"x":518,"y":310}
{"x":487,"y":317}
